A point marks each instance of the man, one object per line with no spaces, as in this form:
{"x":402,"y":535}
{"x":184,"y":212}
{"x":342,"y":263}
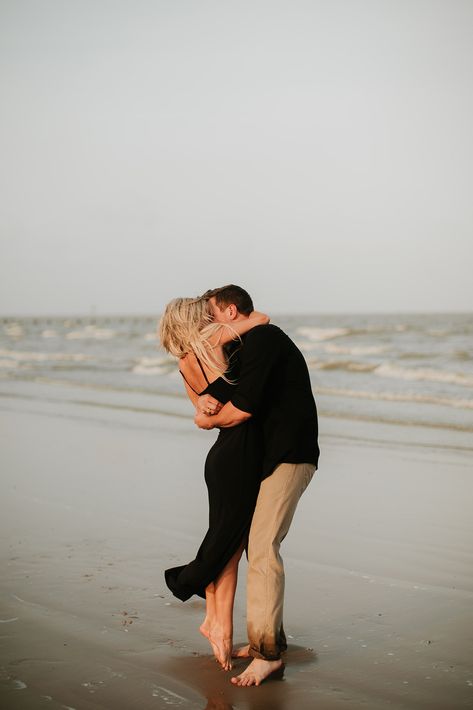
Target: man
{"x":274,"y":386}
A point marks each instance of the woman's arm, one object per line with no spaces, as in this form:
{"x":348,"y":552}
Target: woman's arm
{"x":203,"y":403}
{"x":227,"y":332}
{"x":191,"y":394}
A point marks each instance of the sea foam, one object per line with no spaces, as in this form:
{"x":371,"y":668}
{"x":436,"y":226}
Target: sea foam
{"x":152,"y":366}
{"x":318,"y":334}
{"x":14,"y":330}
{"x":27,"y":356}
{"x":460,"y":403}
{"x":355,"y":350}
{"x":91,"y":332}
{"x":348,"y":365}
{"x":425,"y":374}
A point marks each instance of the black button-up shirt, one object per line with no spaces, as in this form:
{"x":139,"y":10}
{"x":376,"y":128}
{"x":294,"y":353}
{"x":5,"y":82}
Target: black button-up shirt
{"x":274,"y":386}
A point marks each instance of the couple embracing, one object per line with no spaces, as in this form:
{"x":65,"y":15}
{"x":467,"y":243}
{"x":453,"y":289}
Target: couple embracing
{"x":247,"y":379}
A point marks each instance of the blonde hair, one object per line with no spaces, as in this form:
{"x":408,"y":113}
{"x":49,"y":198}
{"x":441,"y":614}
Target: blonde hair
{"x":186,"y":327}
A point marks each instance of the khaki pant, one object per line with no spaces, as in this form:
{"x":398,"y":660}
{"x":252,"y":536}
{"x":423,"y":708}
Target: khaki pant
{"x":277,"y":501}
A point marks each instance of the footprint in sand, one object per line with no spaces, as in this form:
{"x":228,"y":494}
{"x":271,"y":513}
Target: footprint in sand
{"x":127,"y":618}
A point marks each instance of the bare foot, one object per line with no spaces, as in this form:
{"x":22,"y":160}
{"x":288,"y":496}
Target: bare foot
{"x":242,"y":652}
{"x":204,"y":629}
{"x":258,"y":671}
{"x":222,"y":650}
{"x":221,"y":647}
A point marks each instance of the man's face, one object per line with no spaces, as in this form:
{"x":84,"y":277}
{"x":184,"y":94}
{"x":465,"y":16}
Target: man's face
{"x":219,"y":316}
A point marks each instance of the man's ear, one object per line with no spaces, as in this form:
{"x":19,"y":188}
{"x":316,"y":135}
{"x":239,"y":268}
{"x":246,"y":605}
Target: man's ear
{"x":232,"y":311}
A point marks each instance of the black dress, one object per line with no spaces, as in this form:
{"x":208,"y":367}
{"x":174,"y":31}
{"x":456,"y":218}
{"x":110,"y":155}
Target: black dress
{"x":233,"y":475}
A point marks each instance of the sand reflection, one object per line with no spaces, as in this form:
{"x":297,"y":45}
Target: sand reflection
{"x":202,"y":674}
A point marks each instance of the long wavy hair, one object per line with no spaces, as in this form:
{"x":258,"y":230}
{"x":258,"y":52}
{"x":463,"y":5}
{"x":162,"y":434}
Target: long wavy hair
{"x":186,"y":327}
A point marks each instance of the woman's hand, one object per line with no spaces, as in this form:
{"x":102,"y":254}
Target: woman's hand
{"x":208,"y":405}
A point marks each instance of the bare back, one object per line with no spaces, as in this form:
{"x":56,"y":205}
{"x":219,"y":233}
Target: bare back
{"x":196,"y":374}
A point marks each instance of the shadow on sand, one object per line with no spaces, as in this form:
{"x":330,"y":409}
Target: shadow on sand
{"x":203,"y":675}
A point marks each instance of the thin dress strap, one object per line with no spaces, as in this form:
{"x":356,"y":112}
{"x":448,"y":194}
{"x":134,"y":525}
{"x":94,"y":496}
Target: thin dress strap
{"x":185,"y":378}
{"x":203,"y":372}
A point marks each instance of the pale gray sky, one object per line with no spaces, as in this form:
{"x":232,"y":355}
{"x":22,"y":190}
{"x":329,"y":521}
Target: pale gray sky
{"x":319,"y":153}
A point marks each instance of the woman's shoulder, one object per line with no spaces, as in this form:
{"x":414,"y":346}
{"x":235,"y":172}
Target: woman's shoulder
{"x":191,"y":363}
{"x":187,"y":361}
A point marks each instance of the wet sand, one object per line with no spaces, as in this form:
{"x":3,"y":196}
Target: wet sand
{"x":98,"y":498}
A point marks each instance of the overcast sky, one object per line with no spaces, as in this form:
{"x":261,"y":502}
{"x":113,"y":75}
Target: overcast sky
{"x":319,"y":153}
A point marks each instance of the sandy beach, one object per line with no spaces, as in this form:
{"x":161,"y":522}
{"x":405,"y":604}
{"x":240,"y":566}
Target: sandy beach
{"x":100,"y":495}
{"x":317,"y":156}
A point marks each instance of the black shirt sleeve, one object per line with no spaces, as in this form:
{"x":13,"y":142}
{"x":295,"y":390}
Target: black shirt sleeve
{"x":257,"y":359}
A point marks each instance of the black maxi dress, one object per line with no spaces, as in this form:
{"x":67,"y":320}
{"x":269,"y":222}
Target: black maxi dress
{"x":233,"y":475}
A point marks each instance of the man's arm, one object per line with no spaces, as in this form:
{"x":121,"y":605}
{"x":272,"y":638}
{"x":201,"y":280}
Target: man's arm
{"x":258,"y":357}
{"x":228,"y":416}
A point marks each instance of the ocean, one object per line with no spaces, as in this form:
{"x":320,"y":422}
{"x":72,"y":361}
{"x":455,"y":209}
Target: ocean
{"x":415,"y":370}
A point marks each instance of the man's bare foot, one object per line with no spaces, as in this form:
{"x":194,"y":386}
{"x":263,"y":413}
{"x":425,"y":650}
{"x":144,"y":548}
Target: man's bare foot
{"x":242,"y":652}
{"x":258,"y":671}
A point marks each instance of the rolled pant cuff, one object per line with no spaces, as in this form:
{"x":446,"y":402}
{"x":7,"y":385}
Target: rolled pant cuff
{"x":274,"y":655}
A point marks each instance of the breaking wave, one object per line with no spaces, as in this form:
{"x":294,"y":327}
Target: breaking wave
{"x":320,"y":334}
{"x":460,"y":403}
{"x":348,"y":365}
{"x":26,"y":356}
{"x":153,"y":366}
{"x":424,"y":374}
{"x":355,"y":350}
{"x":91,"y":332}
{"x":394,"y":372}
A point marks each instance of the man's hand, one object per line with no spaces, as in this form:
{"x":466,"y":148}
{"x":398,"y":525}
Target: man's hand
{"x":203,"y":421}
{"x":208,"y":405}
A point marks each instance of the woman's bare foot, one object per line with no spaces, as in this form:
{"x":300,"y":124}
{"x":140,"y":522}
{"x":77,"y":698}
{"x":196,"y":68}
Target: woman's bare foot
{"x":221,"y":647}
{"x":204,"y":628}
{"x":258,"y":671}
{"x":242,"y":652}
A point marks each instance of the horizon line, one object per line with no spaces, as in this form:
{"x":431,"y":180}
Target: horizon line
{"x":111,"y":315}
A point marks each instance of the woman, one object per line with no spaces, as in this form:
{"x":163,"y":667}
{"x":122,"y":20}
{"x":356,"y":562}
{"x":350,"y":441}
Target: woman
{"x":232,"y":467}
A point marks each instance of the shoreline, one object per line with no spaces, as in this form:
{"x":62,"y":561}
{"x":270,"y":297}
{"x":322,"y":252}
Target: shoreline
{"x":96,"y":503}
{"x":136,"y":399}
